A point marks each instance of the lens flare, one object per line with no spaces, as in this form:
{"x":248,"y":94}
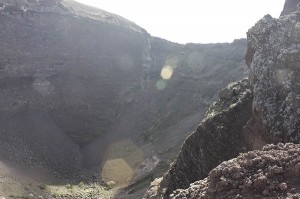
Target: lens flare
{"x":117,"y":171}
{"x":166,"y":72}
{"x":123,"y":158}
{"x":160,"y":85}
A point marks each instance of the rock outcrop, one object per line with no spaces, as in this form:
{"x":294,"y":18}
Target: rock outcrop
{"x":290,"y":6}
{"x":270,"y":173}
{"x":274,"y":74}
{"x":218,"y":137}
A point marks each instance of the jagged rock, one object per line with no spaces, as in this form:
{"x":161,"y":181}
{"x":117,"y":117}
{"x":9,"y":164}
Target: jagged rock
{"x":270,"y":173}
{"x":273,"y":56}
{"x":274,"y":74}
{"x":219,"y":137}
{"x":290,"y":6}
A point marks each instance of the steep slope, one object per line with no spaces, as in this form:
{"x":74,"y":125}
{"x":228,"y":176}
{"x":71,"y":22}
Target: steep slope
{"x":65,"y":69}
{"x":57,"y":50}
{"x":218,"y":137}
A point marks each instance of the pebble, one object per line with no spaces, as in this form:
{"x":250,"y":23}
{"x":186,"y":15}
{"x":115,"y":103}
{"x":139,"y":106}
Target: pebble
{"x":283,"y":186}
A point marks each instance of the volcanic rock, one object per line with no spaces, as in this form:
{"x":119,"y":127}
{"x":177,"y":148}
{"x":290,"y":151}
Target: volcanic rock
{"x":270,"y":173}
{"x":274,"y":73}
{"x":218,"y":137}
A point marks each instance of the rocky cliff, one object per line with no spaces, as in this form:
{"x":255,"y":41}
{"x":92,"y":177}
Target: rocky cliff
{"x":273,"y":59}
{"x":218,"y":137}
{"x":274,"y":76}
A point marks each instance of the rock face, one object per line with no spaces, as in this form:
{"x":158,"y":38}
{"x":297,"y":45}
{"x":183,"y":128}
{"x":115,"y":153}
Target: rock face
{"x":274,"y":74}
{"x":270,"y":173}
{"x":290,"y":6}
{"x":218,"y":137}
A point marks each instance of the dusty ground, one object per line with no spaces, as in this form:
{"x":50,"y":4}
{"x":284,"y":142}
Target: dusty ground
{"x":23,"y":182}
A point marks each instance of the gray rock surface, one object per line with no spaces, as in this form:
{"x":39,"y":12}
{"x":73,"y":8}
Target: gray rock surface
{"x":290,"y":6}
{"x":219,"y":137}
{"x":274,"y":73}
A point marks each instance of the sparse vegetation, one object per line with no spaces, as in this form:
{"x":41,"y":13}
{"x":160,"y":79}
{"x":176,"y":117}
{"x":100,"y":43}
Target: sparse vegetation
{"x":80,"y":190}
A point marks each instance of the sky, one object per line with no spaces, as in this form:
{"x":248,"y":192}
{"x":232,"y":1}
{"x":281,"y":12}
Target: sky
{"x":192,"y":21}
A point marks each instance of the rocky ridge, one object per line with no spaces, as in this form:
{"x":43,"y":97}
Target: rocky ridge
{"x":273,"y":59}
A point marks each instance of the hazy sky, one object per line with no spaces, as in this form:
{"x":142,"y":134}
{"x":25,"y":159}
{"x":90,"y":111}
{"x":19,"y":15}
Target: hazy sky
{"x":197,"y":21}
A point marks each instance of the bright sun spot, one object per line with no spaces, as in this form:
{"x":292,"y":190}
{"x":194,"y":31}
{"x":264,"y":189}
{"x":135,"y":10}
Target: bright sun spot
{"x":166,"y":72}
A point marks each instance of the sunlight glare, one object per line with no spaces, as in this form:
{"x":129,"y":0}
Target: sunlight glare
{"x":122,"y":160}
{"x":160,"y":85}
{"x":166,"y":72}
{"x":117,"y":171}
